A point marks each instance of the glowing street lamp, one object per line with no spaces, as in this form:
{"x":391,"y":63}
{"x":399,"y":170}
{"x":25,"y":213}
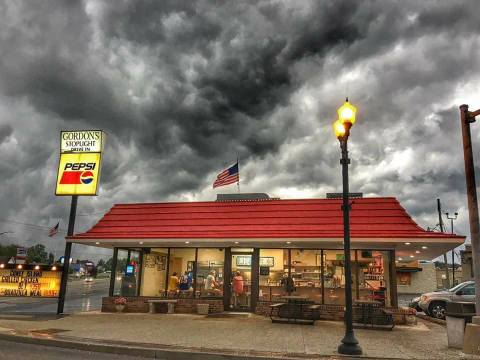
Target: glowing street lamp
{"x":341,"y":128}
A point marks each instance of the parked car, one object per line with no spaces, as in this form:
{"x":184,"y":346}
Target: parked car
{"x":414,"y":303}
{"x":434,"y":303}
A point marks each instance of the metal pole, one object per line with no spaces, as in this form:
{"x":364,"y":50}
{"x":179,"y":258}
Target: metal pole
{"x":349,"y":344}
{"x":113,"y":273}
{"x":67,"y":255}
{"x":465,"y":120}
{"x":453,"y":254}
{"x":440,"y":222}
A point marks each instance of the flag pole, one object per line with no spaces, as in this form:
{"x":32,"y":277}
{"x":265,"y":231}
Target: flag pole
{"x":238,"y":182}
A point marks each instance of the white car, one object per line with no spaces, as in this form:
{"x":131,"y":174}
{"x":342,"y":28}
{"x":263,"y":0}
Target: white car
{"x":434,"y":303}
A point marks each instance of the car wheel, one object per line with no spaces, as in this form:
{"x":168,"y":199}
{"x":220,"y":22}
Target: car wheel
{"x":437,"y":310}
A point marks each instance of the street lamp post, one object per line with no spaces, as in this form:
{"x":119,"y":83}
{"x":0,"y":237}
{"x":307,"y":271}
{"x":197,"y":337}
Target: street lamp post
{"x":346,"y":118}
{"x":451,"y":218}
{"x":467,"y":117}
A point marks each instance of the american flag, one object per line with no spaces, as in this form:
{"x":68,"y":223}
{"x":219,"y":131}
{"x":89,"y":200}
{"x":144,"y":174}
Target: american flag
{"x":227,"y":177}
{"x":54,"y":230}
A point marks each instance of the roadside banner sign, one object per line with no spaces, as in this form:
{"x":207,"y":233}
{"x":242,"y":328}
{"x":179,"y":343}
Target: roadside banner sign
{"x":21,"y":253}
{"x":81,"y":141}
{"x":78,"y":174}
{"x":29,"y":282}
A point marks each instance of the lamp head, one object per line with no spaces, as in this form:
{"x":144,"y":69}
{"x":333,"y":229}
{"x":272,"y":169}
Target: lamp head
{"x":346,"y":113}
{"x":339,"y":128}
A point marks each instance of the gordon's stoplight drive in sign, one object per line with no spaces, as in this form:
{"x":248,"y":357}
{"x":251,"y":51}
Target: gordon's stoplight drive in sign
{"x":78,"y":174}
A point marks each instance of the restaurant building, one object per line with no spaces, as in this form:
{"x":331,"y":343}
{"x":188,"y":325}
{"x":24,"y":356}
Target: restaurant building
{"x":272,"y":247}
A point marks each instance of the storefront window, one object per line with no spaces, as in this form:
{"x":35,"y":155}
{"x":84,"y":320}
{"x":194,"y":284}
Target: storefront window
{"x":374,"y":276}
{"x":306,"y":273}
{"x":210,"y":273}
{"x":180,"y":270}
{"x":273,"y":267}
{"x":126,"y":273}
{"x":154,"y":272}
{"x":334,"y":276}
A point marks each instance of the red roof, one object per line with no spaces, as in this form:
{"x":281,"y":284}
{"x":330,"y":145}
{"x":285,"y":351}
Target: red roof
{"x":306,"y":218}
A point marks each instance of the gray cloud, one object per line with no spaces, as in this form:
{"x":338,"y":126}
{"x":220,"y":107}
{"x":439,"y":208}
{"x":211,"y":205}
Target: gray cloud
{"x":183,"y":88}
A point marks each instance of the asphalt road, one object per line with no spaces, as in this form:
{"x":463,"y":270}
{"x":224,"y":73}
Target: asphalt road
{"x":81,"y":296}
{"x":15,"y":351}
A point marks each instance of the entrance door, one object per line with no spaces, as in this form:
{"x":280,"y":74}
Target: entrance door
{"x":241,"y":281}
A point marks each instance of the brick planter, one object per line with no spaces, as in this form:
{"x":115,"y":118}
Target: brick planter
{"x":183,"y":306}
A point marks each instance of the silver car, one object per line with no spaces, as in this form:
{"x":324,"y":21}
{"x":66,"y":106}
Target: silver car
{"x":434,"y":303}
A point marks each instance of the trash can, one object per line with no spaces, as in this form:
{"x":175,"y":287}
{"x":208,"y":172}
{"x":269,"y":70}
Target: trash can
{"x":202,"y":309}
{"x":458,"y":314}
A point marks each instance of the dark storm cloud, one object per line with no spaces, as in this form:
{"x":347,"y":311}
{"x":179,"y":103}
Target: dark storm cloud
{"x":182,"y":88}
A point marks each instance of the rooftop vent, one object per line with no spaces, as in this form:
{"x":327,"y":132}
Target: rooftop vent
{"x":243,"y":197}
{"x":340,"y":195}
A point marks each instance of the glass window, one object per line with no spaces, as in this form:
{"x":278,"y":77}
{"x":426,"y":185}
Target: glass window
{"x":374,"y":277}
{"x":180,"y":270}
{"x":334,"y":274}
{"x":126,"y":273}
{"x":210,"y":273}
{"x":306,"y":273}
{"x":469,"y":290}
{"x":273,"y":268}
{"x":154,"y":272}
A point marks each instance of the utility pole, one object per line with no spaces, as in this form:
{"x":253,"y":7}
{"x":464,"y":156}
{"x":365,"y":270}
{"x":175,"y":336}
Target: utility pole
{"x":440,"y":222}
{"x":467,"y":117}
{"x":451,"y":218}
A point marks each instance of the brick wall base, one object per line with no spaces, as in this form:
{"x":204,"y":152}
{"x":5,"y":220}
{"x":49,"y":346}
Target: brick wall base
{"x":334,"y":312}
{"x":183,"y":306}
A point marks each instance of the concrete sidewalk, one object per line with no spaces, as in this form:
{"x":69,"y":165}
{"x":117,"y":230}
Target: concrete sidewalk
{"x":246,"y":335}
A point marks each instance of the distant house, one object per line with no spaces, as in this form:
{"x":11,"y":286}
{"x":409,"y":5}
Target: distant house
{"x":416,"y":277}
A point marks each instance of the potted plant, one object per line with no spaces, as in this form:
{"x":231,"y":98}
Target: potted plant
{"x":120,"y":303}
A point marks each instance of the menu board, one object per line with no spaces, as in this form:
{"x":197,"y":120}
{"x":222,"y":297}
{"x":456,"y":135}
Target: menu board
{"x":29,"y":283}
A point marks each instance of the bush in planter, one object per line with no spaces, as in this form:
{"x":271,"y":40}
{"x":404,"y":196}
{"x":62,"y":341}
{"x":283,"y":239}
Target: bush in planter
{"x":120,"y":303}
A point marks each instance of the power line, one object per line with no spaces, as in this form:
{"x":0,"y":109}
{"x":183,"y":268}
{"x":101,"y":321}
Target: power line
{"x":35,"y":227}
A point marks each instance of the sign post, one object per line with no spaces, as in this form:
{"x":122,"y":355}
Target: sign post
{"x":78,"y":174}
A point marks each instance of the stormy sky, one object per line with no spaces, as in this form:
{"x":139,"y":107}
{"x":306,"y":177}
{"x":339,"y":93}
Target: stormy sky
{"x":182,"y":88}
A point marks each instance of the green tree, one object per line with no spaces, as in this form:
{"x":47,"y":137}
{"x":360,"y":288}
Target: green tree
{"x":51,"y":258}
{"x":8,"y":250}
{"x":101,"y":263}
{"x":37,"y":254}
{"x":108,"y":264}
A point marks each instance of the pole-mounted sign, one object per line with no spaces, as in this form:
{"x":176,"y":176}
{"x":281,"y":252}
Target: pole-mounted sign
{"x":78,"y":174}
{"x":81,"y":141}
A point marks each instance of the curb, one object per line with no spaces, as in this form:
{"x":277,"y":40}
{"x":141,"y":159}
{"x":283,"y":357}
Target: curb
{"x":163,"y":352}
{"x":433,"y":320}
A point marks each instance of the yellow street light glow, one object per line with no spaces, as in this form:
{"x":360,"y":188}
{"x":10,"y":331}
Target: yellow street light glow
{"x":37,"y":267}
{"x":2,"y":266}
{"x":346,"y":113}
{"x":54,"y":268}
{"x":19,"y":266}
{"x":338,"y":128}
